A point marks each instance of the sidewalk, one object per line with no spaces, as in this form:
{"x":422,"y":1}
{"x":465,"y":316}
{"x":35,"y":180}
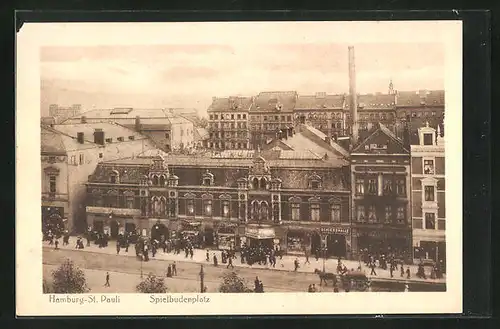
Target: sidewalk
{"x":285,"y":264}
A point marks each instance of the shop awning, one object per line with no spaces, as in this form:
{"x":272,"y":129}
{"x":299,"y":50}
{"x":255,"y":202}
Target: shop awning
{"x":260,"y":233}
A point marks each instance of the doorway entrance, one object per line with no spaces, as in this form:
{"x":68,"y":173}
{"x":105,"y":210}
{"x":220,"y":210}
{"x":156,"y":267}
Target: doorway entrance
{"x":336,"y":245}
{"x":315,"y":243}
{"x":158,"y":230}
{"x":209,"y":237}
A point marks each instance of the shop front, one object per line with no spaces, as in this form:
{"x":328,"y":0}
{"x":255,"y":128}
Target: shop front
{"x":227,"y":237}
{"x":53,"y":220}
{"x":336,"y":241}
{"x":191,"y":231}
{"x":260,"y":236}
{"x":378,"y":242}
{"x":430,"y":250}
{"x":297,"y":242}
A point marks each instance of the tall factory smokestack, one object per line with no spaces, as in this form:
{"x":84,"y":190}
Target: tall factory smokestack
{"x":353,"y":99}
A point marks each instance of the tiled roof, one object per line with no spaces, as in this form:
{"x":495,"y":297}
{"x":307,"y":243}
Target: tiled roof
{"x":111,"y":130}
{"x":420,"y":98}
{"x":298,"y":155}
{"x":167,"y":116}
{"x":269,"y":101}
{"x":376,"y":101}
{"x":234,"y":103}
{"x":51,"y":142}
{"x":320,"y":102}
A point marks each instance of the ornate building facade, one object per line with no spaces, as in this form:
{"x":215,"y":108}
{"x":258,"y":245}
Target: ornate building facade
{"x":428,"y":195}
{"x":276,"y":198}
{"x":380,"y":176}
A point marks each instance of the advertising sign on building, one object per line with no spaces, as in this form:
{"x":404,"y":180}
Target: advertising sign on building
{"x":335,"y":230}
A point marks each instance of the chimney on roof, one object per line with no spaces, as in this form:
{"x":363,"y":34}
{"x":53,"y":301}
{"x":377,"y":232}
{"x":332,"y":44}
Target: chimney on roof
{"x":353,"y":95}
{"x":138,"y":123}
{"x":98,"y":136}
{"x":79,"y":137}
{"x":83,"y":119}
{"x":214,"y":99}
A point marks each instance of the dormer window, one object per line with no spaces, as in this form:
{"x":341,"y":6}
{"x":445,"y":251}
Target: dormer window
{"x":120,"y":139}
{"x":131,"y":138}
{"x":114,"y":177}
{"x":315,"y":182}
{"x":208,"y":179}
{"x":428,"y":139}
{"x":109,"y":140}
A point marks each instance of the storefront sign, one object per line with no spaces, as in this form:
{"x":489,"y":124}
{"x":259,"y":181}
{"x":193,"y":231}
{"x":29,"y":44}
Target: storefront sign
{"x":335,"y":230}
{"x":260,"y":233}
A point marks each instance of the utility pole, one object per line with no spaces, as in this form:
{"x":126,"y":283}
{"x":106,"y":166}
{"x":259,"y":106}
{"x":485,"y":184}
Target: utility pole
{"x":202,"y":276}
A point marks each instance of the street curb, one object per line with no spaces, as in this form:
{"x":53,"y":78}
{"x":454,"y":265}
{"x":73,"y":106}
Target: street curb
{"x":379,"y":279}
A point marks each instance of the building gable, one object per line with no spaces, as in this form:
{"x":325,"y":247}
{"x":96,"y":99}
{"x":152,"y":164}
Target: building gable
{"x":381,"y":142}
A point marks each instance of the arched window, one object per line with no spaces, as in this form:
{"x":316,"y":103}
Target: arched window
{"x":255,"y":183}
{"x":115,"y":177}
{"x":162,"y":206}
{"x":162,"y":180}
{"x":156,"y":206}
{"x":155,"y":180}
{"x":144,"y":207}
{"x":255,"y":210}
{"x":263,"y":183}
{"x":264,"y":211}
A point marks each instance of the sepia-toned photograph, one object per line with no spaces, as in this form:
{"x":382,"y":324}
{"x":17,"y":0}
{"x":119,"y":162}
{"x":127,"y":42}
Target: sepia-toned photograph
{"x":208,"y":166}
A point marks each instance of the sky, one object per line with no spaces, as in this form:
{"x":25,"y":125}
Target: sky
{"x":189,"y":75}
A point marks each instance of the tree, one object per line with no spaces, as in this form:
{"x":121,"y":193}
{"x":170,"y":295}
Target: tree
{"x":232,"y":283}
{"x":69,"y":279}
{"x":152,"y":285}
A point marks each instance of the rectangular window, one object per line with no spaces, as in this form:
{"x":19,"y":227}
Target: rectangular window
{"x":429,"y":193}
{"x":244,"y":116}
{"x":427,"y":139}
{"x":120,"y":139}
{"x":167,"y":135}
{"x":73,"y":160}
{"x":232,"y":116}
{"x":113,"y":179}
{"x":207,"y":209}
{"x":109,"y":140}
{"x":335,"y":213}
{"x":239,"y":116}
{"x":361,"y":213}
{"x":265,"y":117}
{"x":314,"y":185}
{"x":131,"y":138}
{"x":296,"y":211}
{"x":282,"y":118}
{"x":387,"y":186}
{"x":100,"y":155}
{"x":430,"y":221}
{"x":211,"y":116}
{"x":428,"y":167}
{"x":401,"y":215}
{"x":315,"y":212}
{"x":275,"y":118}
{"x":289,"y":118}
{"x":190,"y":207}
{"x":81,"y":159}
{"x":372,"y":186}
{"x":372,"y":214}
{"x":401,"y":187}
{"x":360,"y":186}
{"x":130,"y":203}
{"x":225,"y":209}
{"x":388,"y":214}
{"x":52,"y":187}
{"x":216,"y":116}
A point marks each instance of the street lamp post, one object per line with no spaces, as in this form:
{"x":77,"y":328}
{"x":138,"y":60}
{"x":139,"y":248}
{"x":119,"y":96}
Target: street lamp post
{"x":202,"y":276}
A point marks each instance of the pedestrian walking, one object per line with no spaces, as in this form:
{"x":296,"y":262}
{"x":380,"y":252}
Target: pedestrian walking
{"x":372,"y":265}
{"x":208,"y":256}
{"x":57,"y":244}
{"x":215,"y":261}
{"x":117,"y":247}
{"x":307,"y":258}
{"x":391,"y":269}
{"x":230,"y":262}
{"x":408,"y":273}
{"x":191,"y":253}
{"x":296,"y":265}
{"x":402,"y":271}
{"x":174,"y":269}
{"x":169,"y":271}
{"x":107,"y":280}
